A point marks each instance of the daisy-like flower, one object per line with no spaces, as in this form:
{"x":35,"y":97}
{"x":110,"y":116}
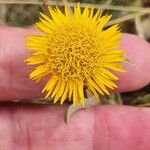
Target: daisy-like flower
{"x":75,"y":53}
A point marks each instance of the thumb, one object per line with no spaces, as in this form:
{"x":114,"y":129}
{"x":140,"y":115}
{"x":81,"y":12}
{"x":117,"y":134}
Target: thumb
{"x":97,"y":128}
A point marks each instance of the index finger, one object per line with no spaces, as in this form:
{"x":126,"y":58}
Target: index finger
{"x":14,"y":81}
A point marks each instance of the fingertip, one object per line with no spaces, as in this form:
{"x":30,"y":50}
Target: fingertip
{"x":137,"y":50}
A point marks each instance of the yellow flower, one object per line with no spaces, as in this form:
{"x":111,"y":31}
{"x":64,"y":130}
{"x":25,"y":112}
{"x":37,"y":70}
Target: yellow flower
{"x":75,"y":53}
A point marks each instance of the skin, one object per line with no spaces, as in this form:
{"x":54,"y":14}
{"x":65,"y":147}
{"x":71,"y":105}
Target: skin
{"x":39,"y":127}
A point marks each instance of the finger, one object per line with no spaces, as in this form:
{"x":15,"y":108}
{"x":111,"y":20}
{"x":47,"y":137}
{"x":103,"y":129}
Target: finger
{"x":14,"y":81}
{"x":104,"y":128}
{"x":138,"y":52}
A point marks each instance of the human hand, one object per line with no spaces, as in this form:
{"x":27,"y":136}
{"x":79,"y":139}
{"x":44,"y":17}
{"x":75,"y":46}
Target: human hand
{"x":39,"y":127}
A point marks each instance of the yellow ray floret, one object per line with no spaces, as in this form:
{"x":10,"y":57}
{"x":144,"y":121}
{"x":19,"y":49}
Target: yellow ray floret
{"x":75,"y":52}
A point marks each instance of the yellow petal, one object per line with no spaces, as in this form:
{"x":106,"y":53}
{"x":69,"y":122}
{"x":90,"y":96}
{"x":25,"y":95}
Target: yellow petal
{"x":38,"y":71}
{"x":106,"y":81}
{"x":60,"y":15}
{"x":77,"y":10}
{"x":64,"y":96}
{"x":70,"y":89}
{"x":46,"y":24}
{"x":67,"y":11}
{"x":113,"y":59}
{"x":111,"y":31}
{"x":56,"y":89}
{"x":86,"y":11}
{"x":60,"y":91}
{"x":75,"y":94}
{"x":91,"y":12}
{"x":97,"y":15}
{"x":50,"y":83}
{"x":101,"y":85}
{"x":81,"y":92}
{"x":102,"y":22}
{"x":94,"y":91}
{"x":42,"y":27}
{"x":50,"y":86}
{"x":115,"y":67}
{"x":46,"y":18}
{"x":105,"y":71}
{"x":54,"y":16}
{"x":92,"y":83}
{"x":38,"y":59}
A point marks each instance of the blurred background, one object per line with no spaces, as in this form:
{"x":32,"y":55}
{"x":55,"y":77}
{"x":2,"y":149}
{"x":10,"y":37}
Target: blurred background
{"x":132,"y":15}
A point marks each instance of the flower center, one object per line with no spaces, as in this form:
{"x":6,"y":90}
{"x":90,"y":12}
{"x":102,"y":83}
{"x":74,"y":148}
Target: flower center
{"x":73,"y":51}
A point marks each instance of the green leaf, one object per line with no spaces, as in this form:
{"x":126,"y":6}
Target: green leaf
{"x":142,"y":101}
